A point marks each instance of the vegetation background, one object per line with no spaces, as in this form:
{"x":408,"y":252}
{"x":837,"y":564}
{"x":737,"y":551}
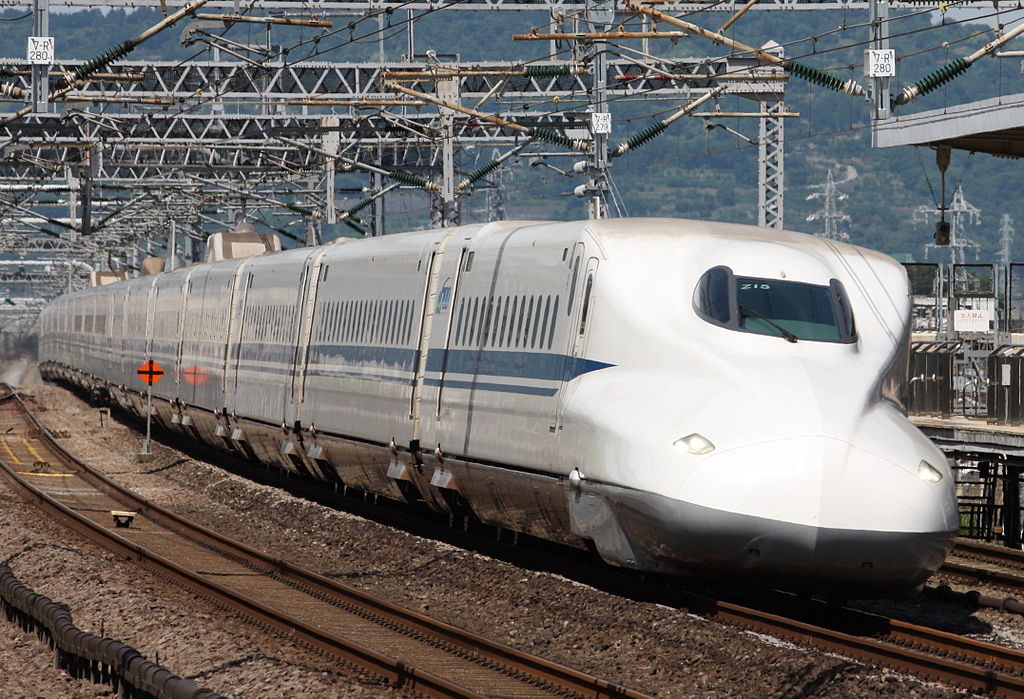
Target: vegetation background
{"x":690,"y":171}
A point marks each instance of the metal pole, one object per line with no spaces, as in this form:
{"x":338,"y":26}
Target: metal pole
{"x":881,"y":107}
{"x":172,"y":245}
{"x":599,"y":154}
{"x":448,"y":90}
{"x":146,"y":448}
{"x":41,"y":73}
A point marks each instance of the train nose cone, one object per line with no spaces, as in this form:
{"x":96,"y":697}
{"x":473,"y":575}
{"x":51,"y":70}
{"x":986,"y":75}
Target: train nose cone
{"x":819,"y":512}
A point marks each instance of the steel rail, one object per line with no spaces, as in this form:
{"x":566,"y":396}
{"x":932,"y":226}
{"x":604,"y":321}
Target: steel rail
{"x":985,"y":576}
{"x":981,"y":549}
{"x":894,"y":651}
{"x":921,"y":651}
{"x":394,"y":670}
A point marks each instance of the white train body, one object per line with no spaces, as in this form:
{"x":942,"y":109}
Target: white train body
{"x":625,"y":385}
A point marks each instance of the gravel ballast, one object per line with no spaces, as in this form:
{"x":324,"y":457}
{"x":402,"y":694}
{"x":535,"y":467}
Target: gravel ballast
{"x":650,"y":647}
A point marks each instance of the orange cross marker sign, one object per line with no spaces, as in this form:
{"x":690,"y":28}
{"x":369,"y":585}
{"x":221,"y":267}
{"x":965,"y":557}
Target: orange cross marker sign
{"x":150,"y":372}
{"x":195,"y":376}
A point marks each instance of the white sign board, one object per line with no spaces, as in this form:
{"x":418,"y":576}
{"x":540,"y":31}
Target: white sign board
{"x":880,"y":63}
{"x":601,"y":122}
{"x":40,"y":50}
{"x":972,"y":321}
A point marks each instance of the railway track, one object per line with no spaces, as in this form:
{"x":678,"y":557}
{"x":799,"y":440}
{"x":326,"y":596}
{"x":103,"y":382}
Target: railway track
{"x":918,"y":650}
{"x":987,"y":564}
{"x":406,"y":648}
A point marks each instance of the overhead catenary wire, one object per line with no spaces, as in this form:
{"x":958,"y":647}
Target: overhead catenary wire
{"x":801,"y":70}
{"x":654,"y":130}
{"x":541,"y":134}
{"x":403,"y":177}
{"x":954,"y":68}
{"x":104,"y":59}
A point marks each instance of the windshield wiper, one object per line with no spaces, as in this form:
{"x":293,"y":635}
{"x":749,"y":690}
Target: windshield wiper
{"x":785,"y":333}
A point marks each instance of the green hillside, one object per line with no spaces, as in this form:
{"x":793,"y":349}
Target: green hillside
{"x":690,"y":171}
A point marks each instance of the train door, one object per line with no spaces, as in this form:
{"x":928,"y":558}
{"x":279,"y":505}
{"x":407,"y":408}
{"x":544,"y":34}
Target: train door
{"x":185,"y":308}
{"x":450,"y":304}
{"x":437,"y":300}
{"x":581,"y":301}
{"x":313,"y":273}
{"x":151,"y":294}
{"x":236,"y":328}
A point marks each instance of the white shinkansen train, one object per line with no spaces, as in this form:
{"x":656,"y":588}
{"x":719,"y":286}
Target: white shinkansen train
{"x":680,"y":396}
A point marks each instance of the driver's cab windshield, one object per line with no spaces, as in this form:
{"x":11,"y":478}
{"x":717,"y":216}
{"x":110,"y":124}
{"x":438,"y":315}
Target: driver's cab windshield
{"x":790,"y":310}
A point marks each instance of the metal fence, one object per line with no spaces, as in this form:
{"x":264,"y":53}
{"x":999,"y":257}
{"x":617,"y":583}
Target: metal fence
{"x":930,"y":385}
{"x":1005,"y":397}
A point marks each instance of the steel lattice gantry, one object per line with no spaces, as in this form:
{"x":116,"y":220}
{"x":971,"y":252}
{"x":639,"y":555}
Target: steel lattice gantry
{"x":371,"y":6}
{"x":169,"y":132}
{"x":194,"y":132}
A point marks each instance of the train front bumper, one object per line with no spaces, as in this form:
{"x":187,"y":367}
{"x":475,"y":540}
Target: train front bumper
{"x":647,"y":531}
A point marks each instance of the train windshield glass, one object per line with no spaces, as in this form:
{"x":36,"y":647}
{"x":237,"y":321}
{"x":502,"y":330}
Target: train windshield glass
{"x":791,"y":310}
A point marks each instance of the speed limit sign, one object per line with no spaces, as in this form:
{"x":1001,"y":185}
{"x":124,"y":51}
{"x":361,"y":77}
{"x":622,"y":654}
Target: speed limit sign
{"x":40,"y":50}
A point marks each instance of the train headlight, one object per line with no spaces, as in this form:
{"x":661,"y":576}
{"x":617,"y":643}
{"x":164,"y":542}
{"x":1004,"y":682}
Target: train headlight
{"x":695,"y":444}
{"x":927,"y":472}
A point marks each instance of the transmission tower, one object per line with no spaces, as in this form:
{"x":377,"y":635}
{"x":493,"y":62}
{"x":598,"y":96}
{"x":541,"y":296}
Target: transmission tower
{"x":1006,"y":232}
{"x":962,"y":213}
{"x":830,"y":215}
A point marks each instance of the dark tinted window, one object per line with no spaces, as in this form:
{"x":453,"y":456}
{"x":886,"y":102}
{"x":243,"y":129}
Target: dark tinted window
{"x":713,"y":295}
{"x":769,"y":306}
{"x":782,"y":308}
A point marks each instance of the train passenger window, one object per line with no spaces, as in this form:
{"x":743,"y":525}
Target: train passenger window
{"x":586,"y":303}
{"x":572,"y":286}
{"x":526,"y":321}
{"x":504,"y":323}
{"x":378,"y":321}
{"x":472,"y":323}
{"x":547,"y":316}
{"x":392,"y":317}
{"x":519,"y":323}
{"x":496,"y":322}
{"x":529,"y":317}
{"x":460,"y":321}
{"x":536,"y":324}
{"x":486,"y":321}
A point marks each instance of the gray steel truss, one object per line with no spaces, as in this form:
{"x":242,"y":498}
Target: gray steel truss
{"x":322,"y":8}
{"x":147,"y":143}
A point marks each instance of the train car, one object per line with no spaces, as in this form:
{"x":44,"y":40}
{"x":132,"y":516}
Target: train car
{"x":679,"y":396}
